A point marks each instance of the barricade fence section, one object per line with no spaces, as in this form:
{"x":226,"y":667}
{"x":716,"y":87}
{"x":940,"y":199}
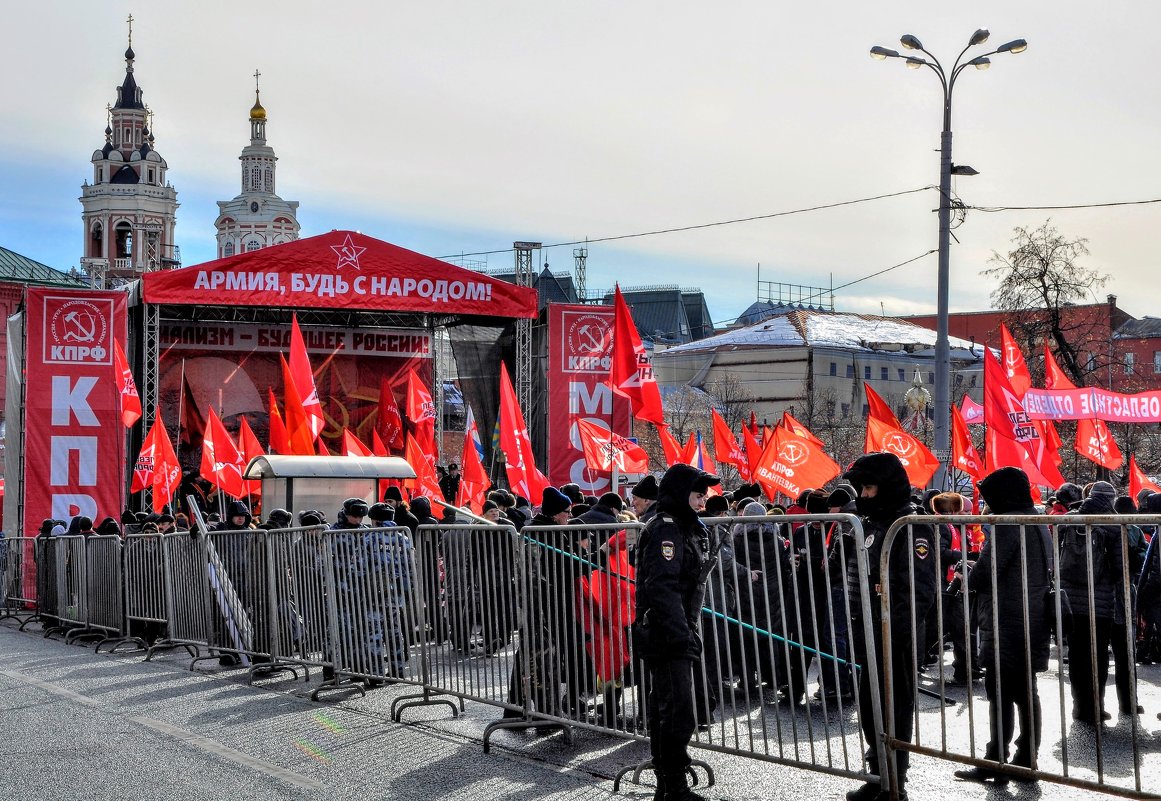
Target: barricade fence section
{"x":18,"y":569}
{"x":1034,"y":605}
{"x":104,"y":587}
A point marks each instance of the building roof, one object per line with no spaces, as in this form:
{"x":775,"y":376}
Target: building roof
{"x":761,"y":310}
{"x":1145,"y":328}
{"x":551,"y":287}
{"x":23,"y":270}
{"x":661,"y":313}
{"x":818,"y":328}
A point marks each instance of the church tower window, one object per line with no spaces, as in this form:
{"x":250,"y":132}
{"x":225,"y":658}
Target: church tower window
{"x":253,"y":245}
{"x":229,"y":249}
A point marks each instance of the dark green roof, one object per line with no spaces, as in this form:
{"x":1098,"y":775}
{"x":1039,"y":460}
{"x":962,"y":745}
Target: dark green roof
{"x":19,"y":269}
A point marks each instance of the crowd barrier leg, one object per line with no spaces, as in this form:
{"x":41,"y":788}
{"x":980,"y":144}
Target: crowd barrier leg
{"x":19,"y":570}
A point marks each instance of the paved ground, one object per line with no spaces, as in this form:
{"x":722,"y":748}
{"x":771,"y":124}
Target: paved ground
{"x":74,"y":725}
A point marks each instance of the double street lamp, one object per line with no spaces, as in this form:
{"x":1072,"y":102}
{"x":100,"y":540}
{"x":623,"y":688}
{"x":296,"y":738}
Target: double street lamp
{"x":947,"y":80}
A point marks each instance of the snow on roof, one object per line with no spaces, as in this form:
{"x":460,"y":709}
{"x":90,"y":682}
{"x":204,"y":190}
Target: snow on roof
{"x":820,"y":328}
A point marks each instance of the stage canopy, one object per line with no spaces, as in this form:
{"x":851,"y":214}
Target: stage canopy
{"x":340,"y":270}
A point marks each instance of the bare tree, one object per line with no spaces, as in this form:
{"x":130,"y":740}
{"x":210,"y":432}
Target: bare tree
{"x":1039,"y":278}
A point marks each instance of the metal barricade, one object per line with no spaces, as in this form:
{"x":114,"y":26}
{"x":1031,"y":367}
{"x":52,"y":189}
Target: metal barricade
{"x":467,"y":582}
{"x":300,"y":578}
{"x":144,"y":576}
{"x":65,"y":572}
{"x":18,"y":566}
{"x":104,"y":590}
{"x":1046,"y":598}
{"x":187,"y":595}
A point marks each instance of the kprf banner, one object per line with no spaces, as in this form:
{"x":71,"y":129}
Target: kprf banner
{"x":580,"y":352}
{"x":74,"y":444}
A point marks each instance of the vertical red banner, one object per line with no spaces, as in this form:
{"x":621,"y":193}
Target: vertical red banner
{"x":74,"y":444}
{"x":580,"y":350}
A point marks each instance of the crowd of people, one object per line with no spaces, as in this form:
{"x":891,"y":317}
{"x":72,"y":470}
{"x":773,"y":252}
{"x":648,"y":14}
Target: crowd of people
{"x":752,"y":601}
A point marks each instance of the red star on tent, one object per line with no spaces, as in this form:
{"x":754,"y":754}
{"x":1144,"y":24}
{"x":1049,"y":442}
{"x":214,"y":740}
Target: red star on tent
{"x":348,"y":253}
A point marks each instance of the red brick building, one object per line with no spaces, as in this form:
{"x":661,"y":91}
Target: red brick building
{"x":1116,"y":350}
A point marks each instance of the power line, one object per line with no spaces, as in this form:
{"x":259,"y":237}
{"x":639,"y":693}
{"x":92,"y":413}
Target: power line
{"x":992,"y":209}
{"x":700,"y":226}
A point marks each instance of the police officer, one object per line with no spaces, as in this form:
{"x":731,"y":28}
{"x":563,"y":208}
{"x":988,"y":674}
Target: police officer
{"x":673,"y":561}
{"x":884,"y":495}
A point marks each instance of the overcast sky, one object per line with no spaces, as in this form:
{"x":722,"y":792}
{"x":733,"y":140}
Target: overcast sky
{"x":451,"y":127}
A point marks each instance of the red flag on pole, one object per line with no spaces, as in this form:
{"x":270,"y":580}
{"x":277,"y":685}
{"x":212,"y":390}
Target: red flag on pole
{"x":1054,"y":377}
{"x":753,"y":423}
{"x":603,"y":449}
{"x":279,"y":439}
{"x":878,"y":409}
{"x":963,"y":452}
{"x":304,"y":380}
{"x":1095,"y":442}
{"x":146,"y":462}
{"x":323,"y":450}
{"x":297,"y":425}
{"x":1138,"y":480}
{"x":352,"y":446}
{"x":130,"y":400}
{"x":917,"y":460}
{"x":421,"y":413}
{"x":792,"y":464}
{"x":670,"y":446}
{"x":1015,"y":368}
{"x":426,"y":479}
{"x":689,"y":452}
{"x":632,"y":374}
{"x":1009,"y":423}
{"x":474,"y":481}
{"x":221,"y":461}
{"x":971,"y":411}
{"x":251,"y":449}
{"x":753,"y":451}
{"x":166,"y":468}
{"x":790,"y":424}
{"x":726,"y":448}
{"x":523,"y":477}
{"x":390,"y":424}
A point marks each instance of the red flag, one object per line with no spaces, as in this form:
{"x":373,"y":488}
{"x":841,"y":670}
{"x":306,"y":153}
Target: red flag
{"x":753,"y":423}
{"x":523,"y":477}
{"x":632,"y":373}
{"x":963,"y":452}
{"x":767,"y":435}
{"x":1138,"y":480}
{"x":304,"y":381}
{"x":792,"y":464}
{"x":474,"y":481}
{"x":146,"y":463}
{"x":130,"y":400}
{"x":352,"y":446}
{"x":689,"y":452}
{"x":917,"y":460}
{"x":1006,"y":419}
{"x":1001,"y":451}
{"x":251,"y":449}
{"x":1015,"y":368}
{"x":221,"y":461}
{"x":166,"y":468}
{"x":426,"y":479}
{"x":1054,"y":377}
{"x":790,"y":424}
{"x":971,"y":411}
{"x":377,"y":446}
{"x":389,"y":424}
{"x":421,"y":413}
{"x":323,"y":450}
{"x":1095,"y":442}
{"x":878,"y":409}
{"x":279,"y":439}
{"x":297,"y":425}
{"x":753,"y":451}
{"x":603,"y":449}
{"x":670,"y":446}
{"x":726,"y":448}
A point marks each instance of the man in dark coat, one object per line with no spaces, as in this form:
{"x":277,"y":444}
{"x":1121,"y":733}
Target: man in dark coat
{"x":673,"y":562}
{"x":644,"y":498}
{"x":1013,"y":621}
{"x":884,"y":495}
{"x":1100,"y":545}
{"x":403,"y":517}
{"x":449,"y":485}
{"x":605,"y":511}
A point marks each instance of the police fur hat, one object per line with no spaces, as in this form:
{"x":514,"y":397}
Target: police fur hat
{"x":554,"y":502}
{"x":279,"y":518}
{"x":381,"y":513}
{"x":355,"y":507}
{"x":817,"y":502}
{"x":842,"y":495}
{"x":1068,"y":494}
{"x":310,"y":517}
{"x":747,"y":491}
{"x":573,"y":491}
{"x":716,"y":505}
{"x":646,"y":488}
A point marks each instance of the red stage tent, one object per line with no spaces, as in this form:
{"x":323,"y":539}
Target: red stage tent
{"x":340,"y":270}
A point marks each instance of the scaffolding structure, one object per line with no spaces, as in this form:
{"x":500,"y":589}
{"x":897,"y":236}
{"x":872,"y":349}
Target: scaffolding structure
{"x":580,"y":258}
{"x":781,"y":294}
{"x":523,"y":377}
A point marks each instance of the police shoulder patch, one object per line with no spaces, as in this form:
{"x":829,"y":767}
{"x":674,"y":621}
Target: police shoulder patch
{"x":667,"y":549}
{"x":868,"y":540}
{"x":922,"y":549}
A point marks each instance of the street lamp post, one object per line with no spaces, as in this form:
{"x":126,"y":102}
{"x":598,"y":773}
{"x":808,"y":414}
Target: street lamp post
{"x":947,"y":81}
